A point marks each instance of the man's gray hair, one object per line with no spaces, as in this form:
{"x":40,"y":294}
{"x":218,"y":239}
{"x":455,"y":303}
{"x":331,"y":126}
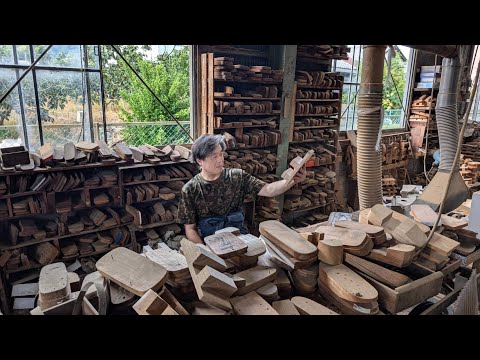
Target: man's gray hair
{"x":205,"y":145}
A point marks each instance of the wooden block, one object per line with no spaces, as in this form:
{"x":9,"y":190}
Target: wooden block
{"x":201,"y":257}
{"x":183,"y":151}
{"x":379,"y":273}
{"x":45,"y":253}
{"x":74,"y":281}
{"x":424,"y":214}
{"x":347,"y":284}
{"x":379,"y":214}
{"x":225,"y":245}
{"x":409,"y":233}
{"x":251,"y":304}
{"x":297,"y":164}
{"x":255,"y":277}
{"x":256,"y":247}
{"x":53,"y":285}
{"x":330,"y":251}
{"x":285,"y":307}
{"x":118,"y":294}
{"x":400,"y":255}
{"x":21,"y":303}
{"x":451,"y":223}
{"x":202,"y":308}
{"x":152,"y":304}
{"x":69,"y":151}
{"x":132,"y":271}
{"x":5,"y":257}
{"x":287,"y":239}
{"x":442,"y":244}
{"x":215,"y":282}
{"x":269,"y":292}
{"x":370,"y":230}
{"x":233,"y":230}
{"x":172,"y":301}
{"x":348,"y":237}
{"x":306,"y":306}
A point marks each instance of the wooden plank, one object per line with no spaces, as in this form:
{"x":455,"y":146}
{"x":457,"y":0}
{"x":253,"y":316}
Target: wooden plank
{"x":403,"y":297}
{"x":152,"y":304}
{"x":172,"y":301}
{"x":173,"y":261}
{"x":201,"y":256}
{"x":424,"y":214}
{"x":25,"y":290}
{"x":400,"y":255}
{"x":347,"y":284}
{"x":371,"y":230}
{"x":256,"y":247}
{"x":330,"y":251}
{"x":451,"y":223}
{"x":255,"y":278}
{"x":348,"y":237}
{"x":251,"y":304}
{"x":306,"y":306}
{"x":225,"y":245}
{"x":297,"y":164}
{"x":201,"y":308}
{"x":384,"y":275}
{"x":287,"y":239}
{"x":210,"y":277}
{"x":210,"y":91}
{"x":132,"y":271}
{"x":285,"y":307}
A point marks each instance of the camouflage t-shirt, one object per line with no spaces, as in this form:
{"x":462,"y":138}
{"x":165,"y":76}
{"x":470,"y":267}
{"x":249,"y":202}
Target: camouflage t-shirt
{"x":201,"y":198}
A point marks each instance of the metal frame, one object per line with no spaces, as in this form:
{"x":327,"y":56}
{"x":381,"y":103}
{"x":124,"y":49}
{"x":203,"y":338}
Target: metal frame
{"x":20,"y":98}
{"x":37,"y":99}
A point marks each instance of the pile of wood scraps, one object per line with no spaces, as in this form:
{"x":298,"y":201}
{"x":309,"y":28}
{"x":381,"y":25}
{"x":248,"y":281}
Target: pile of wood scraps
{"x":318,"y":79}
{"x":254,"y":162}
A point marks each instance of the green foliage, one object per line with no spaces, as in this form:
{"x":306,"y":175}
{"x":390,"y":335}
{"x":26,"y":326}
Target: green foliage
{"x":169,"y":81}
{"x":392,"y":99}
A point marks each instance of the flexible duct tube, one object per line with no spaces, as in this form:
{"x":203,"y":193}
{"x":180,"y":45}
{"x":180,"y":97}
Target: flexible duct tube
{"x":446,"y":113}
{"x":369,"y":160}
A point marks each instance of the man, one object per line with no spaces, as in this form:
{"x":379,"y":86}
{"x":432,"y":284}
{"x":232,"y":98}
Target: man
{"x":213,"y":199}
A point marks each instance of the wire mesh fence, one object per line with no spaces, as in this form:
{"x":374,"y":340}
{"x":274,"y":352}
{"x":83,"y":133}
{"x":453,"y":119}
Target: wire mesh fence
{"x":133,"y":133}
{"x":392,"y":120}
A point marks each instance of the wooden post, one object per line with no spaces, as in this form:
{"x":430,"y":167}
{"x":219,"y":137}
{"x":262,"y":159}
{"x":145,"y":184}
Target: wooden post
{"x":288,"y":109}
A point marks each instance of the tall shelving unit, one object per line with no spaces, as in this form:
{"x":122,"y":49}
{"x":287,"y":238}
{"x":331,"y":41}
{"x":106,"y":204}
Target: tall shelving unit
{"x":318,"y":100}
{"x":241,"y":99}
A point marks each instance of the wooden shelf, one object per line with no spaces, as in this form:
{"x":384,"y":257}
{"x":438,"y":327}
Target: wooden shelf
{"x":307,"y":141}
{"x":318,"y":100}
{"x":243,"y":127}
{"x":60,"y":168}
{"x":88,"y":188}
{"x":27,"y":193}
{"x":153,"y":225}
{"x":240,"y":98}
{"x":142,"y":165}
{"x":314,"y":127}
{"x":251,"y":147}
{"x":248,"y":114}
{"x":310,"y":115}
{"x":317,"y":87}
{"x":35,"y":242}
{"x":157,"y":199}
{"x":133,"y":183}
{"x":24,"y":216}
{"x":37,"y":265}
{"x":250,"y":81}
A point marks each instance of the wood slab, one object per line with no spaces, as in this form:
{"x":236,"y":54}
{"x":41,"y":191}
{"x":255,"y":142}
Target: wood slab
{"x":296,"y":164}
{"x":384,"y":275}
{"x":256,"y":247}
{"x":225,"y":245}
{"x":171,"y":260}
{"x":306,"y":306}
{"x":330,"y":251}
{"x":255,"y":278}
{"x":231,"y":229}
{"x":348,"y":237}
{"x":269,"y":292}
{"x":152,"y":304}
{"x":371,"y":230}
{"x":451,"y":223}
{"x":347,"y":284}
{"x":424,"y":214}
{"x":251,"y":304}
{"x":128,"y":269}
{"x":400,"y":255}
{"x":288,"y":240}
{"x":285,"y":307}
{"x":53,"y":285}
